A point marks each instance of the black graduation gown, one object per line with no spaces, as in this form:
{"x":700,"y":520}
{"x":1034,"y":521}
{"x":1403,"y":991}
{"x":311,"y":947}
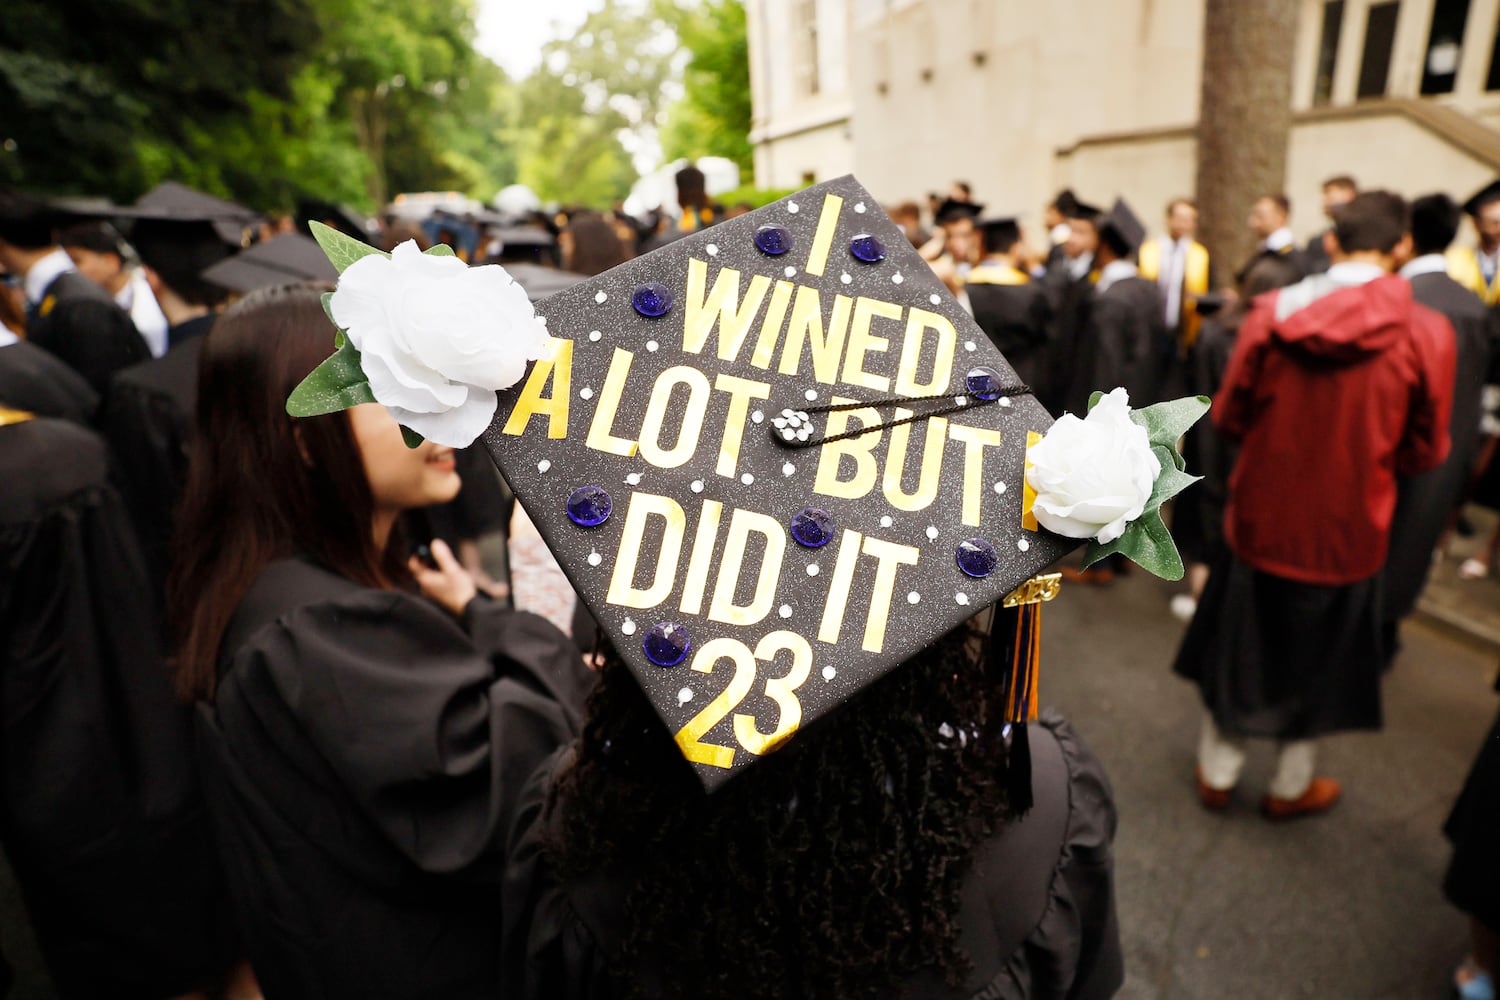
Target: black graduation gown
{"x":147,"y":418}
{"x":1283,"y":267}
{"x":1315,"y":259}
{"x":37,"y":381}
{"x":1124,"y":343}
{"x":1424,"y":503}
{"x":78,"y":321}
{"x":1016,"y":318}
{"x":1198,"y":513}
{"x":1037,"y":910}
{"x":1473,"y":880}
{"x":1071,"y":300}
{"x":363,"y":759}
{"x":100,"y":810}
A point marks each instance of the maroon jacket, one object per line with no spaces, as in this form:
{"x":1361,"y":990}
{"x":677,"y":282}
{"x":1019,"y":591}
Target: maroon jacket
{"x":1333,"y":392}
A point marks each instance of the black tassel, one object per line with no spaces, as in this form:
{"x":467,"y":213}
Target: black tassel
{"x":1018,"y":770}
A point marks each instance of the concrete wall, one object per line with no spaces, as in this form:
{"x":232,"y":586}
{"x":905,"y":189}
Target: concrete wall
{"x":795,"y":133}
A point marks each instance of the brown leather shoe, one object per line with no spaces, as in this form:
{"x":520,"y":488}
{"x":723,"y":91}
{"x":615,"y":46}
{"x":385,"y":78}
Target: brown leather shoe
{"x":1319,"y":798}
{"x":1212,"y":799}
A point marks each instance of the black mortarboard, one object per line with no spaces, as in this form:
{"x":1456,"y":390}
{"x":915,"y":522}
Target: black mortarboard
{"x":173,"y":202}
{"x":1122,"y":227}
{"x":999,"y":234}
{"x":100,"y":237}
{"x":179,"y":250}
{"x":290,"y":257}
{"x":690,"y":448}
{"x":1066,"y":203}
{"x":1490,"y":192}
{"x":952,"y":211}
{"x":1083,"y":210}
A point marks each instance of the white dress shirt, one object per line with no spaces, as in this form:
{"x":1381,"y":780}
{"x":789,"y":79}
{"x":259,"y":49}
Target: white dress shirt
{"x":44,"y":272}
{"x":139,"y":301}
{"x":1279,"y":240}
{"x":1429,"y":263}
{"x":1115,"y":270}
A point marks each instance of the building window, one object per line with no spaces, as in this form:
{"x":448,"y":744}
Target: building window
{"x":1328,"y":50}
{"x":1380,"y":39}
{"x":1493,"y":83}
{"x":1444,"y":46}
{"x":805,"y":46}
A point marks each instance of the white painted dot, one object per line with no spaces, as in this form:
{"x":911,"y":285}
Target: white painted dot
{"x":756,"y":417}
{"x":999,"y":487}
{"x":812,"y":569}
{"x":747,"y":479}
{"x":594,"y":335}
{"x":1005,"y":401}
{"x":651,"y":346}
{"x":829,"y":673}
{"x":961,"y":598}
{"x":969,"y":345}
{"x":585,"y":393}
{"x":543,"y":465}
{"x":542,"y":320}
{"x":810,"y":395}
{"x":696,"y":486}
{"x":896,"y":278}
{"x":935,"y":299}
{"x":932,"y":532}
{"x":886,"y":520}
{"x":627,"y":627}
{"x":600,"y":297}
{"x":595,"y":558}
{"x":789,"y":469}
{"x":790,"y":272}
{"x":860,"y":208}
{"x":684,"y":696}
{"x":785,"y":611}
{"x":793,"y":207}
{"x":634,"y":479}
{"x":1022,"y":544}
{"x":846,"y":277}
{"x":712,"y":249}
{"x":913,"y":598}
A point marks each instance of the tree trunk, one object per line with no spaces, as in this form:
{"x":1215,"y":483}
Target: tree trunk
{"x":1245,"y":119}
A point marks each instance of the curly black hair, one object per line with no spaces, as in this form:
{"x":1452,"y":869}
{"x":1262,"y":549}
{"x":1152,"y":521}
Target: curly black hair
{"x":831,"y":868}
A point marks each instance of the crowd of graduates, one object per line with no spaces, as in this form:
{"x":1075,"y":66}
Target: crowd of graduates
{"x":190,"y":573}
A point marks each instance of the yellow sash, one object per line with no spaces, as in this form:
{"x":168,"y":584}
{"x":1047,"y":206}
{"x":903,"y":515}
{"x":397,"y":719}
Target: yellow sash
{"x":1463,"y":267}
{"x":997,"y":274}
{"x":9,"y":416}
{"x":1194,"y":283}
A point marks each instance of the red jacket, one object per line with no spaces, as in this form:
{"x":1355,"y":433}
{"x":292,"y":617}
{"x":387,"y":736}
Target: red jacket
{"x":1333,"y":392}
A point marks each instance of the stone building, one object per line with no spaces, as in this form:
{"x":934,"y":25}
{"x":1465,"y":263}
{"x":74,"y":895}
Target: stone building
{"x":1023,"y":98}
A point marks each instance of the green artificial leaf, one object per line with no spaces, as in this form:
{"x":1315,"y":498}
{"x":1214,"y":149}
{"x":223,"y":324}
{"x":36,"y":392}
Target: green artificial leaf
{"x":1172,"y":480}
{"x":412,"y":438}
{"x":341,"y":250}
{"x":337,"y":384}
{"x":1147,"y":543}
{"x":439,"y":250}
{"x":1167,"y":422}
{"x":1094,"y":398}
{"x":328,"y":308}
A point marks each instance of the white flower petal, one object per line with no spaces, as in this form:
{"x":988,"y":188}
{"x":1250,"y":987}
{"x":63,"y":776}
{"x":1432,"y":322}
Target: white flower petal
{"x":457,"y":427}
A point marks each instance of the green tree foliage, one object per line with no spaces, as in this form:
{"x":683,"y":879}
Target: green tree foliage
{"x":713,"y":116}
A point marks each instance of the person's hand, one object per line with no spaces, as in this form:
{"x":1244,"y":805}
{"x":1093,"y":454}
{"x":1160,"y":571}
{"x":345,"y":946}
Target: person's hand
{"x":449,"y":585}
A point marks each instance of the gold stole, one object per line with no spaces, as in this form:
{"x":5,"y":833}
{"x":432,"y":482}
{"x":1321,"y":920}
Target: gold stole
{"x":1194,"y":284}
{"x":1463,"y":267}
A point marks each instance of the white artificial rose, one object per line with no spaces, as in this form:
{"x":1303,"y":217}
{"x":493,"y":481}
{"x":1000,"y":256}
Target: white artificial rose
{"x":437,"y":338}
{"x":1092,"y":477}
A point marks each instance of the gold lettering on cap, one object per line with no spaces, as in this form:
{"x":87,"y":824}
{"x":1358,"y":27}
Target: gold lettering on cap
{"x":601,"y":428}
{"x":806,"y":327}
{"x":839,"y":585}
{"x":722,"y":608}
{"x":741,"y":391}
{"x":975,"y":440}
{"x":554,"y":368}
{"x":690,"y":425}
{"x":858,"y":448}
{"x":918,"y":322}
{"x":770,"y":327}
{"x":890,"y":556}
{"x":781,"y":690}
{"x":862,"y":342}
{"x":702,"y":557}
{"x":722,"y":305}
{"x":622,"y":589}
{"x":931,"y":471}
{"x":828,"y":224}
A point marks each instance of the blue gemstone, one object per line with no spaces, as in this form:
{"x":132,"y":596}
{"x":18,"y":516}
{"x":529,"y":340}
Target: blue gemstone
{"x":984,"y":383}
{"x":867,"y":248}
{"x":774,"y":240}
{"x":812,"y":527}
{"x":977,"y":557}
{"x":589,"y":506}
{"x":667,"y":644}
{"x":652,"y":299}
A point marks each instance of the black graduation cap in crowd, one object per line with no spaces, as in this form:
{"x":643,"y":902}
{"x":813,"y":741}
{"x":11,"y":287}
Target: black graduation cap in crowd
{"x":1490,"y":192}
{"x":951,"y":211}
{"x":170,"y":201}
{"x":776,"y":459}
{"x":1000,"y":234}
{"x":1066,"y":203}
{"x":179,"y":249}
{"x":1082,"y":210}
{"x":1120,"y":224}
{"x":289,"y":257}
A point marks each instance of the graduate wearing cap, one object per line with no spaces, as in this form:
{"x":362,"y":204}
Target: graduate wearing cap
{"x":1477,"y":268}
{"x":1180,"y":266}
{"x":954,"y":248}
{"x":1012,"y":310}
{"x":66,"y":313}
{"x":101,"y":254}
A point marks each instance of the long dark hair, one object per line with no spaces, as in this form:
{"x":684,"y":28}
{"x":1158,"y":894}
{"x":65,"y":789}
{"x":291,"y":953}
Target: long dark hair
{"x":260,"y":485}
{"x":831,"y":868}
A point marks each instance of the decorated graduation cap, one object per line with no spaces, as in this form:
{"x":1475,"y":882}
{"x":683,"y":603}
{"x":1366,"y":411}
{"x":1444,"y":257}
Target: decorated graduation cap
{"x":776,"y":458}
{"x":1484,"y":196}
{"x":286,"y":258}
